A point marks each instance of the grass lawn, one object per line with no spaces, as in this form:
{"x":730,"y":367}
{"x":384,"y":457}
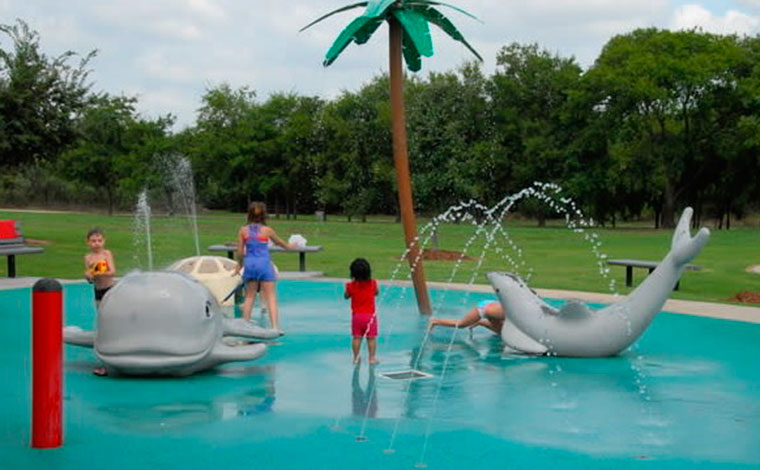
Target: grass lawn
{"x":560,"y":259}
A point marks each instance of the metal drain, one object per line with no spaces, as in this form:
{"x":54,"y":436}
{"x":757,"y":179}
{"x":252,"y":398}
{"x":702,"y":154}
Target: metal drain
{"x":410,"y":374}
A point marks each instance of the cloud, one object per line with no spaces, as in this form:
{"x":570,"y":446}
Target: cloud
{"x":155,"y":64}
{"x":732,"y":21}
{"x":167,"y":52}
{"x":751,"y":3}
{"x":182,"y":20}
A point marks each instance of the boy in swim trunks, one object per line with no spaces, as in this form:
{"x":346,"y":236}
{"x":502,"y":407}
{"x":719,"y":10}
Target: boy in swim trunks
{"x":362,"y":291}
{"x":487,"y":313}
{"x":99,"y":264}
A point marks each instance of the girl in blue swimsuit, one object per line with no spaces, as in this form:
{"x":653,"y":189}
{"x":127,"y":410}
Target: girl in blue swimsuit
{"x":253,"y":255}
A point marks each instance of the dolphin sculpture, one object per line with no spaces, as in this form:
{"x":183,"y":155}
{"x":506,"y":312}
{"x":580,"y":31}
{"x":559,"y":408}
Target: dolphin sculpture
{"x":532,"y":326}
{"x":165,"y":323}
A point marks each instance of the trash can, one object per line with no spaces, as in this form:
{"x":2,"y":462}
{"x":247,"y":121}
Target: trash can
{"x":320,"y":215}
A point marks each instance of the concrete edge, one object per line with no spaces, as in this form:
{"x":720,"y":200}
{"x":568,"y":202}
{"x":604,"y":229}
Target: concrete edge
{"x":687,"y":307}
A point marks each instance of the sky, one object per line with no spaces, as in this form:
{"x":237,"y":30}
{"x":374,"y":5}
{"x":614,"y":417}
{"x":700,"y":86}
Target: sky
{"x":167,"y":53}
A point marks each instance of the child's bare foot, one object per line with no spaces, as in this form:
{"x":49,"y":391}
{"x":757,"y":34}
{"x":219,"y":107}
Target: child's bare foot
{"x":373,"y":361}
{"x":100,"y":371}
{"x":357,"y":360}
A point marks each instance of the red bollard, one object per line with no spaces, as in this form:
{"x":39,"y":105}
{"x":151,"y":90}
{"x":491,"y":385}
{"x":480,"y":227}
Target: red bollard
{"x":47,"y":363}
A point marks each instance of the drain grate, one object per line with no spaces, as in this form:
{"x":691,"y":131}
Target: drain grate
{"x":410,"y":374}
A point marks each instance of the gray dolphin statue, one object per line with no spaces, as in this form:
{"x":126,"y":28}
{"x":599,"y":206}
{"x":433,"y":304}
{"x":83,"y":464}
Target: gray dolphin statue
{"x":165,"y":323}
{"x":532,"y":326}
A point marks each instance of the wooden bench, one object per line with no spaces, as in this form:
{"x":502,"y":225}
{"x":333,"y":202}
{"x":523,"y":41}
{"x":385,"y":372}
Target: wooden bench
{"x":637,"y":263}
{"x":12,"y":244}
{"x":230,"y":248}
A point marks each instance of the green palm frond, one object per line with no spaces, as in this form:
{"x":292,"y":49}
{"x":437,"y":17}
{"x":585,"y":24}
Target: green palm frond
{"x":378,"y":8}
{"x":416,"y":27}
{"x":339,"y":10}
{"x":437,"y":18}
{"x":366,"y":31}
{"x":411,"y":55}
{"x":345,"y":37}
{"x":431,"y":2}
{"x":413,"y":16}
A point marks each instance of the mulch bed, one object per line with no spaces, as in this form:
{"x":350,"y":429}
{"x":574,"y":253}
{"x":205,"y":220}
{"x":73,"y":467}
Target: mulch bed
{"x":747,"y":297}
{"x":35,"y":242}
{"x":443,"y":255}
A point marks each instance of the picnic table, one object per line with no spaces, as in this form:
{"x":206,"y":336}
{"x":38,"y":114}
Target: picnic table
{"x":230,"y":249}
{"x":12,"y":244}
{"x":638,"y":263}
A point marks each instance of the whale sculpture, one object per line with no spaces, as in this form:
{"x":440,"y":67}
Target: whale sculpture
{"x":165,"y":323}
{"x":532,"y":326}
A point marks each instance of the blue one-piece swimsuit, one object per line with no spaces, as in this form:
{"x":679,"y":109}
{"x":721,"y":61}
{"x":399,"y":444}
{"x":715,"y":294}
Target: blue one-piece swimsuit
{"x":257,"y":263}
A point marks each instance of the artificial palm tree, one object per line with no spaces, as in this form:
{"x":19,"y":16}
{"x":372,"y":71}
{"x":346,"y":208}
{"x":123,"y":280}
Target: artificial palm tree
{"x":408,"y":21}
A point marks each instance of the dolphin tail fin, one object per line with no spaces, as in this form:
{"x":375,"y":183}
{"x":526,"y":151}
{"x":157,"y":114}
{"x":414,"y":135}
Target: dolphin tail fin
{"x":78,"y":337}
{"x":684,"y":247}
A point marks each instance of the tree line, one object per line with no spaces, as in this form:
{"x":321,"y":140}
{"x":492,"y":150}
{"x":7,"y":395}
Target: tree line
{"x":661,"y":120}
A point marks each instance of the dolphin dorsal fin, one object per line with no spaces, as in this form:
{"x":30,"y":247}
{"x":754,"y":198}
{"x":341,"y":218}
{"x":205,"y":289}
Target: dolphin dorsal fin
{"x":573,"y":309}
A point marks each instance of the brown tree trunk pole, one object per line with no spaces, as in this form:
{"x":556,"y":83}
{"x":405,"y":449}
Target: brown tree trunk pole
{"x":401,"y":162}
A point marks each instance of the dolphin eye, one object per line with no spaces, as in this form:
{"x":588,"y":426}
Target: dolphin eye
{"x":208,"y":311}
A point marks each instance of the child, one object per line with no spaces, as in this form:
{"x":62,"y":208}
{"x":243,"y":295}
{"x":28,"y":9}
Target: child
{"x":362,"y":291}
{"x":488,"y":313}
{"x":99,"y":265}
{"x":253,"y":255}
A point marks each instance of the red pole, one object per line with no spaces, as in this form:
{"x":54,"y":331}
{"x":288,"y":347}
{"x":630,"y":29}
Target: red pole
{"x":47,"y":363}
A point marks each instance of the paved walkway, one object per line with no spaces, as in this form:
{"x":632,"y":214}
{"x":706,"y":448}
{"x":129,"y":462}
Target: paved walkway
{"x":702,"y":309}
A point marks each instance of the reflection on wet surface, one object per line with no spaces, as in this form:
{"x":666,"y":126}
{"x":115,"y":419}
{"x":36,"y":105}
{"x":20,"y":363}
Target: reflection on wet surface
{"x":688,"y":399}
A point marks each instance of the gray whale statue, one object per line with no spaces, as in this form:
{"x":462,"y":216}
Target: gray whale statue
{"x":165,"y":323}
{"x":534,"y":327}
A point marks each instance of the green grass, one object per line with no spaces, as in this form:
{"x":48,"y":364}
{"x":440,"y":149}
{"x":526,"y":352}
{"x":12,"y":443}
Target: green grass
{"x":559,"y":258}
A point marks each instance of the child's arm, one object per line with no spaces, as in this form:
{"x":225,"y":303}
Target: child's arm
{"x":279,"y":241}
{"x":87,"y":268}
{"x":374,"y":283}
{"x":241,"y":247}
{"x":346,"y":293}
{"x":111,"y":266}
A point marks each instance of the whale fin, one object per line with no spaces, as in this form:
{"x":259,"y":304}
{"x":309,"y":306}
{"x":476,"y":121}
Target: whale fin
{"x":223,"y":353}
{"x":574,"y":310}
{"x":684,"y":247}
{"x":246,"y":329}
{"x":78,"y":337}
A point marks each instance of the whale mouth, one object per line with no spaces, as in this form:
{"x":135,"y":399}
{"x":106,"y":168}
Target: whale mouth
{"x":147,"y":361}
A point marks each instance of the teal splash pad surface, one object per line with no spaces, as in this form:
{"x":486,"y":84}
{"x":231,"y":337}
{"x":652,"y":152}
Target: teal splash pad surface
{"x":687,"y":393}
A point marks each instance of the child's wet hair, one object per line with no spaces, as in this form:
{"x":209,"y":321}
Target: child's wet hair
{"x":257,"y":213}
{"x":360,"y":270}
{"x":94,"y":231}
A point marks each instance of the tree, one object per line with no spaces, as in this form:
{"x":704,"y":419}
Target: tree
{"x":409,"y":34}
{"x":531,"y":90}
{"x":115,"y":148}
{"x":223,"y":147}
{"x":39,"y":96}
{"x":452,"y":124}
{"x":655,"y":83}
